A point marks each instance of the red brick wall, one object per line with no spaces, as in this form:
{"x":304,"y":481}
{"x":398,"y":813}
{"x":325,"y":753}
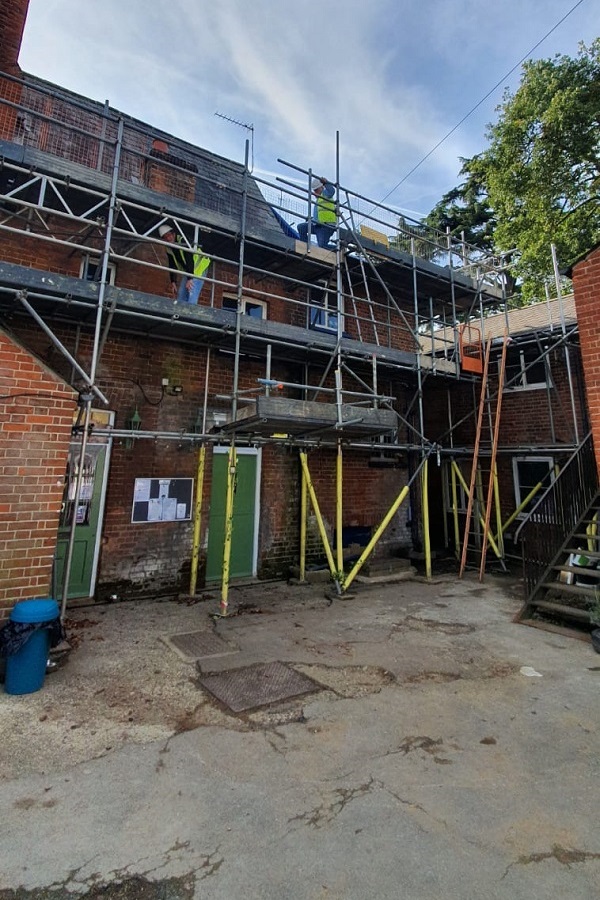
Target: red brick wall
{"x":367,"y":496}
{"x":586,"y":287}
{"x":36,"y":414}
{"x":525,"y":419}
{"x":146,"y":559}
{"x":12,"y":22}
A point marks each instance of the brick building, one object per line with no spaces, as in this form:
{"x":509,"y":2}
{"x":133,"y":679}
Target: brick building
{"x":36,"y":411}
{"x":281,"y":419}
{"x":586,"y":286}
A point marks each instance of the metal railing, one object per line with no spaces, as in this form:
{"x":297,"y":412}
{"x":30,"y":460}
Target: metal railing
{"x":554,"y":517}
{"x":54,"y":121}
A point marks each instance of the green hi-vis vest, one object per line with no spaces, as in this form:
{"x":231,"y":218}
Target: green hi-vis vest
{"x":201,"y":262}
{"x":326,"y":211}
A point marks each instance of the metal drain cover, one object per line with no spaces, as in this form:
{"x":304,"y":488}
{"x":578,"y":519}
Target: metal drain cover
{"x":259,"y":685}
{"x":192,"y":645}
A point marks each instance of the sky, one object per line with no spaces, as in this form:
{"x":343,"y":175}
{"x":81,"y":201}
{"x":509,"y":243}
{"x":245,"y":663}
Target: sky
{"x":392,"y":77}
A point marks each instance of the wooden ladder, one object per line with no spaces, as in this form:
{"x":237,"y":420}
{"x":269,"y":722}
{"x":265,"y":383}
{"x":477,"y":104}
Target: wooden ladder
{"x":475,"y":470}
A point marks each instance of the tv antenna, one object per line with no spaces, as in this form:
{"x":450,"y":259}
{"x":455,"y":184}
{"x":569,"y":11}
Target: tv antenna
{"x":248,"y":126}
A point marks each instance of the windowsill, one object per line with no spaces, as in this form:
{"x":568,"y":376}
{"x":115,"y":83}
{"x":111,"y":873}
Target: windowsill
{"x":526,"y":387}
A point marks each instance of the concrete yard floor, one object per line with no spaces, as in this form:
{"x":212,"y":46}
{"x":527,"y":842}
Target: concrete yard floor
{"x":449,"y":753}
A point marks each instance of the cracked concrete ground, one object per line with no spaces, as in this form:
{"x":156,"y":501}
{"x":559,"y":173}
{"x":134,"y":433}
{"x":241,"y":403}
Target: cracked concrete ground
{"x":428,"y":765}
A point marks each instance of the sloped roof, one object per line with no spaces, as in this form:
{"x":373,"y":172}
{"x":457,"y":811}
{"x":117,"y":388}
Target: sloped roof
{"x":220,"y":182}
{"x":545,"y":317}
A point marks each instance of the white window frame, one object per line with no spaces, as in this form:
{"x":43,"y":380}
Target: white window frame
{"x":88,"y":259}
{"x":245,"y":302}
{"x":324,"y":316}
{"x":519,"y":497}
{"x":523,"y":384}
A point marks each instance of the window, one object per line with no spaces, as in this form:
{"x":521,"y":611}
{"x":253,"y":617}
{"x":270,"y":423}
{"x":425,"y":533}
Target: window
{"x":91,"y":269}
{"x":323,"y":311}
{"x":256,"y":309}
{"x":528,"y":472}
{"x":525,"y":370}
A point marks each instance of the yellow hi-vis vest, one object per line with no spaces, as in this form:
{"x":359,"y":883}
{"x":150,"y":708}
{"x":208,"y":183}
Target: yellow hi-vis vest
{"x":201,"y":262}
{"x":326,"y":211}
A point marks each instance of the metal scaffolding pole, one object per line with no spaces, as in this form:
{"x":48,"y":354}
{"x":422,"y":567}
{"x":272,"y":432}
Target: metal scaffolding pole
{"x":567,"y":354}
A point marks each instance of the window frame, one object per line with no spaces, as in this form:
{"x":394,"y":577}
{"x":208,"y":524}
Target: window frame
{"x":91,"y":259}
{"x":259,"y":304}
{"x":526,"y":367}
{"x":324,"y":316}
{"x":519,"y":493}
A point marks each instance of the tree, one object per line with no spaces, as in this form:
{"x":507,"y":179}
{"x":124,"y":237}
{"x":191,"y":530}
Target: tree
{"x":538,"y":182}
{"x":543,"y":164}
{"x":411,"y":236}
{"x":465,"y":210}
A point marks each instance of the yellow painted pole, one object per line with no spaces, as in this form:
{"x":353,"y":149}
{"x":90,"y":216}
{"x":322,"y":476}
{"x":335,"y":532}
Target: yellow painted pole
{"x":493,"y":544}
{"x":378,"y":532}
{"x":455,"y":511}
{"x":592,"y":531}
{"x":319,"y":517}
{"x":499,"y":536}
{"x":303,"y":519}
{"x":231,"y":473}
{"x":521,"y":506}
{"x":425,"y":504}
{"x":197,"y":519}
{"x":480,"y":501}
{"x":338,"y":514}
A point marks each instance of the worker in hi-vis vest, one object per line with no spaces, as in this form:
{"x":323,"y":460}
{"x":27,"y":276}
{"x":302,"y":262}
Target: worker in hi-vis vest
{"x":193,"y":265}
{"x":324,"y":219}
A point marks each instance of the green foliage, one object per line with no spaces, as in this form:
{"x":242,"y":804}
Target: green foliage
{"x":594,"y":608}
{"x":539,"y":180}
{"x":412,"y":234}
{"x":465,"y":210}
{"x":543,"y":164}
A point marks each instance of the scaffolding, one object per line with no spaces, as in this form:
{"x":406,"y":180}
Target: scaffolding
{"x":380,"y":305}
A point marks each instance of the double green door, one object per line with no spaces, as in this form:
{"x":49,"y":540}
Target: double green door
{"x":243,"y":543}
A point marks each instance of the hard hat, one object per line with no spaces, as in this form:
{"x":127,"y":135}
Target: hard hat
{"x":164,"y":229}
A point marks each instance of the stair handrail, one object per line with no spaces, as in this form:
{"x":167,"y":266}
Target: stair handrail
{"x":549,"y":526}
{"x":553,"y":485}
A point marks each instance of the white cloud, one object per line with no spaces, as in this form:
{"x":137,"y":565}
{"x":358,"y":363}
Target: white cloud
{"x":391,"y":77}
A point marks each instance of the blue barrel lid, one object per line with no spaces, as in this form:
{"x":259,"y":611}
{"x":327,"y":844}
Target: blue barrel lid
{"x":42,"y":610}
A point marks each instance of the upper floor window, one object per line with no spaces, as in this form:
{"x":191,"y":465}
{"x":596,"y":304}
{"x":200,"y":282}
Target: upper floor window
{"x":91,"y":269}
{"x":323,"y":313}
{"x":257,"y":309}
{"x":525,"y":369}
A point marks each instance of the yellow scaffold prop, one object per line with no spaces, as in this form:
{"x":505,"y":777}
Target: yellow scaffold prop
{"x":336,"y":566}
{"x":197,"y":519}
{"x":231,"y":477}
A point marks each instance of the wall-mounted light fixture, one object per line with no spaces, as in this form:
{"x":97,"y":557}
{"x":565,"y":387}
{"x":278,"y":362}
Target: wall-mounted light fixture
{"x":134,"y":423}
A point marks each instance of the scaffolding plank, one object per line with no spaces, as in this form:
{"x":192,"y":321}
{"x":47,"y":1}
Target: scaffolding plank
{"x":268,"y":415}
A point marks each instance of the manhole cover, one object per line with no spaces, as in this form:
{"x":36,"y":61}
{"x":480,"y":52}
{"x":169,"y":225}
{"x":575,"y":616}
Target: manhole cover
{"x":253,"y":686}
{"x":193,"y":645}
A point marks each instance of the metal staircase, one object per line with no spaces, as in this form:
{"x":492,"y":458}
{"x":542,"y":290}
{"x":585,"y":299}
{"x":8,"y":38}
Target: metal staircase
{"x":560,"y":542}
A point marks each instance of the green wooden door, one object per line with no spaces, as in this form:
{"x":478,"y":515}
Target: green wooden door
{"x":244,"y":517}
{"x":88,"y":521}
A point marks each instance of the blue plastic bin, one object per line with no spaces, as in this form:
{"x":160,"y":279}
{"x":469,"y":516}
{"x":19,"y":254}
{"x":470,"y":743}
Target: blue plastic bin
{"x":26,"y":669}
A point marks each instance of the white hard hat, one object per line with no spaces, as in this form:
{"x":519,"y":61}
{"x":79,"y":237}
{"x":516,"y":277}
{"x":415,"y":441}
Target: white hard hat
{"x":164,"y":229}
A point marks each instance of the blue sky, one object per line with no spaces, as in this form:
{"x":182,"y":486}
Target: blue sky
{"x":392,"y":76}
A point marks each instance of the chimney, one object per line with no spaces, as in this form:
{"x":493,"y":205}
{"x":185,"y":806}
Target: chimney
{"x":13,"y":14}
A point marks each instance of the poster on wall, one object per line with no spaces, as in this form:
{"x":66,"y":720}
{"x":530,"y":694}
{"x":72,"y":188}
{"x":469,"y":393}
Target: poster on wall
{"x":162,"y":500}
